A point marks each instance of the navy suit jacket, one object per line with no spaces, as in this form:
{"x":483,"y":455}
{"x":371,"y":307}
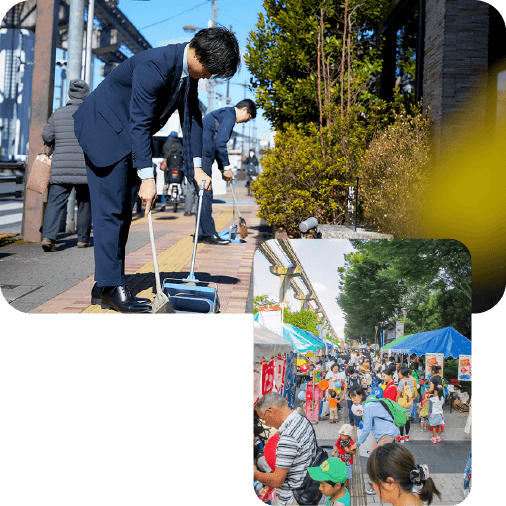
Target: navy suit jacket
{"x":121,"y":115}
{"x":218,"y":126}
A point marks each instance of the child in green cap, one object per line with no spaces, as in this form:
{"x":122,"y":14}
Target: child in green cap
{"x":332,"y":474}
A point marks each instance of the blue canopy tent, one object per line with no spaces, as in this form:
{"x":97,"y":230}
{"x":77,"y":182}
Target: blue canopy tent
{"x":447,"y":341}
{"x":301,"y":340}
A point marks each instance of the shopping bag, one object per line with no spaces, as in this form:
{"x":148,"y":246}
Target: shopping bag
{"x":38,"y":178}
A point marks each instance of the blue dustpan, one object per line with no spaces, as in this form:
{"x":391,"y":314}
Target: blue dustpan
{"x":189,"y":295}
{"x":230,"y":233}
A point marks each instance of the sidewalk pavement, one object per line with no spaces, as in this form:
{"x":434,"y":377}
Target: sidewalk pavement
{"x":37,"y":282}
{"x":446,"y":460}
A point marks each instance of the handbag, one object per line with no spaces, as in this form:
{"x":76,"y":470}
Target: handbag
{"x":309,"y":491}
{"x":38,"y":178}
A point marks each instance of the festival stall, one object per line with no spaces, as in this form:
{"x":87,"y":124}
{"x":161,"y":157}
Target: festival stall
{"x":270,"y":353}
{"x":395,"y":342}
{"x":437,"y":345}
{"x":446,"y":341}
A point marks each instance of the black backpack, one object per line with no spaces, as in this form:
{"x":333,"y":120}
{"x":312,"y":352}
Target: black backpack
{"x":309,"y":491}
{"x":354,"y":382}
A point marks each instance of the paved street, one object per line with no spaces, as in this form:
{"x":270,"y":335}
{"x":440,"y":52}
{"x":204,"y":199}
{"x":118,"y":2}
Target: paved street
{"x":36,"y":282}
{"x":446,"y":460}
{"x":11,"y":208}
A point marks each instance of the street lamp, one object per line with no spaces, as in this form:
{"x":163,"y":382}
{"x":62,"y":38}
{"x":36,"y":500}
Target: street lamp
{"x":375,"y":335}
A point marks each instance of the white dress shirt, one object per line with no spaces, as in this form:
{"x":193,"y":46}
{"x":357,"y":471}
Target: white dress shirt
{"x":148,"y":172}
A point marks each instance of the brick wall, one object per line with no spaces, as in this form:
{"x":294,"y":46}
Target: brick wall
{"x":456,"y":66}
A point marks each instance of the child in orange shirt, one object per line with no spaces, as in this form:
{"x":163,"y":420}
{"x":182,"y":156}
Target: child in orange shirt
{"x":332,"y":399}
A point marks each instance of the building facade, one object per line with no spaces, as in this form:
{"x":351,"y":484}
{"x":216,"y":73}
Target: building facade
{"x":453,"y":53}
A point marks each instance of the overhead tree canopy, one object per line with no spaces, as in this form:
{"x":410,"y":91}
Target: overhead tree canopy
{"x":429,"y":278}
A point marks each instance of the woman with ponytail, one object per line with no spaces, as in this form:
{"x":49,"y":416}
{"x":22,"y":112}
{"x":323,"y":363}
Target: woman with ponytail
{"x":397,"y":478}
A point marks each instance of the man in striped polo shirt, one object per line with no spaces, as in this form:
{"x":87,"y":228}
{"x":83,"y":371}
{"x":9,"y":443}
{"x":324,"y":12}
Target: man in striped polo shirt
{"x":295,"y":450}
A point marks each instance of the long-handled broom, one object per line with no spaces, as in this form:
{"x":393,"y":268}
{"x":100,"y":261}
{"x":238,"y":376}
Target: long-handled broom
{"x":243,"y":229}
{"x":161,"y":303}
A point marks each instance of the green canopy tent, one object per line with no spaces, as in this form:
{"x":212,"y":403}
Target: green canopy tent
{"x":395,"y":342}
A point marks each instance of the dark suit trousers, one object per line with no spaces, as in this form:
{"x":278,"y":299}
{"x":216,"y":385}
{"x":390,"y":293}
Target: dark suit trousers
{"x":206,"y":227}
{"x":113,"y":192}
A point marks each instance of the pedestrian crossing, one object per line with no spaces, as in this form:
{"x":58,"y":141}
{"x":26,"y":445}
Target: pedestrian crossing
{"x":11,"y":215}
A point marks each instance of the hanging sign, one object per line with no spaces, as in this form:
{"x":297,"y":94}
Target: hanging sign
{"x":465,"y":365}
{"x":433,"y":359}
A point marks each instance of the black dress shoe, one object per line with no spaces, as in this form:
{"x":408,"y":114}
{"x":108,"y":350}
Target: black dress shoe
{"x":121,"y":299}
{"x":215,"y":239}
{"x":96,"y":291}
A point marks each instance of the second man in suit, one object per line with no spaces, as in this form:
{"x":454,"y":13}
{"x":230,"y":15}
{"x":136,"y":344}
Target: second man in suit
{"x":217,"y":130}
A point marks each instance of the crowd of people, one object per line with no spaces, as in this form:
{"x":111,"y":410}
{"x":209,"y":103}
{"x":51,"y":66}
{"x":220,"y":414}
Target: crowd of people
{"x":384,"y":397}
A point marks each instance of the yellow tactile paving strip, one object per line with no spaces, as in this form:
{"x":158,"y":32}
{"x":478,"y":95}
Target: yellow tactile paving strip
{"x":170,"y":261}
{"x":229,"y":266}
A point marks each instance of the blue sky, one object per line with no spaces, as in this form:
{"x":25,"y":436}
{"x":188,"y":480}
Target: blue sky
{"x":320,"y":260}
{"x":241,"y":15}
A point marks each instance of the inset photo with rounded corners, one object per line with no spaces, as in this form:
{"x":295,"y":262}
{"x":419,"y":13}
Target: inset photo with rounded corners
{"x":362,"y":372}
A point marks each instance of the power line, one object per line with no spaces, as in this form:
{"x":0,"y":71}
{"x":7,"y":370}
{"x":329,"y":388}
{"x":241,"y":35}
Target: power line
{"x":175,"y":16}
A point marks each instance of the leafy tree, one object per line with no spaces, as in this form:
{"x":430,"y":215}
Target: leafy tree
{"x":368,"y":297}
{"x":303,"y":54}
{"x":262,"y":300}
{"x":304,"y":320}
{"x":431,"y":278}
{"x":444,"y":263}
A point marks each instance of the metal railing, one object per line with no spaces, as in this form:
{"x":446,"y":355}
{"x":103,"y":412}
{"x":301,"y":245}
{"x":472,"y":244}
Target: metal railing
{"x":12,"y":166}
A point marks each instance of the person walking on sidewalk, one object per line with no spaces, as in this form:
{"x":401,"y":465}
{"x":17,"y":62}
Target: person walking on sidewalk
{"x":68,"y":170}
{"x":405,"y":397}
{"x":217,"y":130}
{"x":436,"y":418}
{"x":115,"y":126}
{"x":352,"y":382}
{"x":333,"y":401}
{"x":376,"y":418}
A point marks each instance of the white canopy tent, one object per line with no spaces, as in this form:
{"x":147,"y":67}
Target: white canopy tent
{"x":268,"y":343}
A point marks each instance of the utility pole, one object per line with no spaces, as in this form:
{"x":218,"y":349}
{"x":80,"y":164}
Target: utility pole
{"x":242,"y":147}
{"x":228,"y":82}
{"x":211,"y":86}
{"x":89,"y":38}
{"x":74,"y":70}
{"x":46,"y":33}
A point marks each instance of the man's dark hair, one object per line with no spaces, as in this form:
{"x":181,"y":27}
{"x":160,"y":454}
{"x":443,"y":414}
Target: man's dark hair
{"x":218,"y":50}
{"x":251,"y":108}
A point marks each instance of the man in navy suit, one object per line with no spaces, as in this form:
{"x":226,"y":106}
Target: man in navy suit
{"x":217,"y":130}
{"x":115,"y":125}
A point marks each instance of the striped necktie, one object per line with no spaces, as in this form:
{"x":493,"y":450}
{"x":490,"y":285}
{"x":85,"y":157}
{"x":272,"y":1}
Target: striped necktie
{"x":187,"y":150}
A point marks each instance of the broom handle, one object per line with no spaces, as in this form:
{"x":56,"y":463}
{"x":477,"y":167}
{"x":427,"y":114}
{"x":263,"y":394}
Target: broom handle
{"x":155,"y":258}
{"x":196,"y":236}
{"x":235,"y":202}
